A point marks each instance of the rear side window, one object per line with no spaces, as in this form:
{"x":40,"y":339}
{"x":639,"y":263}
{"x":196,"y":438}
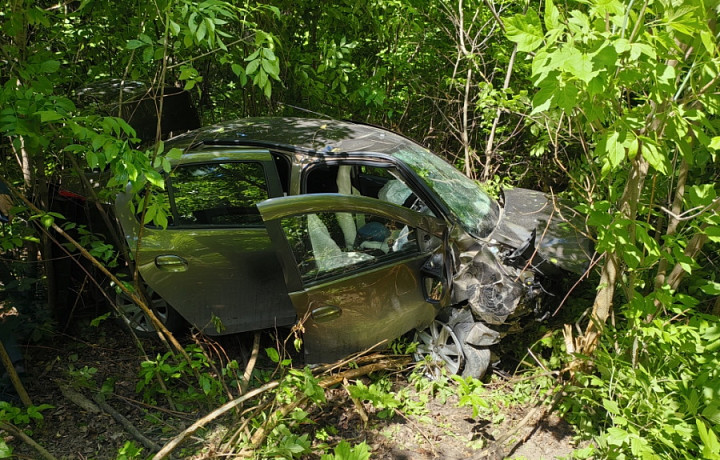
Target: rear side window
{"x":217,"y":194}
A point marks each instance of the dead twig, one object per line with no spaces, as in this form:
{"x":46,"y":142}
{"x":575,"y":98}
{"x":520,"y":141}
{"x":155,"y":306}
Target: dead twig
{"x":251,"y":363}
{"x":538,"y":412}
{"x":10,"y":428}
{"x":170,"y":446}
{"x":331,"y":380}
{"x":382,"y":363}
{"x":358,"y":404}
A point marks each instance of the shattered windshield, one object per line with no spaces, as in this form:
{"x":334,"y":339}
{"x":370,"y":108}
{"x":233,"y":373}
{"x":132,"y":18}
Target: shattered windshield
{"x":478,"y":213}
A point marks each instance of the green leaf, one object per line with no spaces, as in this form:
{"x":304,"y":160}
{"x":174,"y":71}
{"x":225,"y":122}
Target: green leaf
{"x":155,"y":178}
{"x":267,"y":89}
{"x":50,"y":66}
{"x":654,"y":157}
{"x":272,"y":68}
{"x":712,"y":411}
{"x":47,"y":220}
{"x":191,"y":23}
{"x":566,"y":97}
{"x":632,"y":256}
{"x":134,"y":44}
{"x":614,"y":149}
{"x":201,"y":31}
{"x":49,"y":115}
{"x":552,"y":15}
{"x":713,"y":234}
{"x":708,"y":42}
{"x":570,"y":59}
{"x":611,"y":406}
{"x":5,"y":450}
{"x":715,"y":143}
{"x":543,"y":98}
{"x":174,"y":154}
{"x":174,"y":27}
{"x":237,"y":69}
{"x":96,"y":321}
{"x":252,"y":67}
{"x":273,"y":355}
{"x":525,"y":30}
{"x":268,"y":54}
{"x":617,"y":436}
{"x":711,"y":446}
{"x":701,"y":195}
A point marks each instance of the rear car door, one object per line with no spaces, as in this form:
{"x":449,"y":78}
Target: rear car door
{"x":215,"y":263}
{"x":349,"y":297}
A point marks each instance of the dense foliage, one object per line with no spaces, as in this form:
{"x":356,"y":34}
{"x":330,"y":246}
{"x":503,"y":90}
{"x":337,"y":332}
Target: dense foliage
{"x":614,"y":102}
{"x":636,"y":86}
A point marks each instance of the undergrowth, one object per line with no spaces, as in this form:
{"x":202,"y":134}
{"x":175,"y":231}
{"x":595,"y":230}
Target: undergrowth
{"x":654,"y":391}
{"x":292,"y":420}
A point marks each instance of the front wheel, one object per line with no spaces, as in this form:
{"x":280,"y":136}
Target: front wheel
{"x":439,"y":348}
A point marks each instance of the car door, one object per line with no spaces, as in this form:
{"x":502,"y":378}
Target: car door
{"x":215,"y":263}
{"x":348,"y":298}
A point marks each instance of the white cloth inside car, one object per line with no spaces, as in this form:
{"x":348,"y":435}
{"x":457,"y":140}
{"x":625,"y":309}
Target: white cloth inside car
{"x":327,"y":253}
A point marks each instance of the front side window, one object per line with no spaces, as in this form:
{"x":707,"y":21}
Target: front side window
{"x":477,"y":212}
{"x":218,"y":194}
{"x":328,"y":244}
{"x":358,"y":179}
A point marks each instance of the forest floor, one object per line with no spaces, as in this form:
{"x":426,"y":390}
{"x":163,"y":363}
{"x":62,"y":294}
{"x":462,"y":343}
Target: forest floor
{"x":66,"y":371}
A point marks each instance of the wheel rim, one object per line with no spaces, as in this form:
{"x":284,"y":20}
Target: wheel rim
{"x":133,"y":315}
{"x":439,"y":348}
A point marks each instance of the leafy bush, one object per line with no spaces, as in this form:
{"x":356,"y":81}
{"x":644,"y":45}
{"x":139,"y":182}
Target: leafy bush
{"x":186,"y":384}
{"x":656,"y":392}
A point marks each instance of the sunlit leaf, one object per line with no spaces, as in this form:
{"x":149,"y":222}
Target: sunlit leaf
{"x":525,"y":30}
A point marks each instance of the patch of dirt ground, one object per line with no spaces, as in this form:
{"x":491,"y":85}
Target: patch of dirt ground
{"x":66,"y":371}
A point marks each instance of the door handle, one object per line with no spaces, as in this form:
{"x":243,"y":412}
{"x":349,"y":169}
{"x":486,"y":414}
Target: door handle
{"x":171,"y":263}
{"x":325,"y":313}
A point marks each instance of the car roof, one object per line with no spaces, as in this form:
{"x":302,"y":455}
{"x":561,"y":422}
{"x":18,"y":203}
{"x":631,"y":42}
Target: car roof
{"x":309,"y":135}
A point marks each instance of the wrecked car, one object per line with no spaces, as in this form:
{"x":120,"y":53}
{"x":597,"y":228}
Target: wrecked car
{"x":358,"y":234}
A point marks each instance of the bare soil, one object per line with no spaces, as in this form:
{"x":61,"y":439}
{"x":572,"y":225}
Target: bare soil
{"x":71,"y":431}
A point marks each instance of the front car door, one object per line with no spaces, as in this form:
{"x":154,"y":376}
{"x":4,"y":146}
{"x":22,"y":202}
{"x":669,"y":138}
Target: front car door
{"x":353,"y":296}
{"x":215,"y":263}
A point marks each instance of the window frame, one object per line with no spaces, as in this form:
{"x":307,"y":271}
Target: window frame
{"x":272,"y":181}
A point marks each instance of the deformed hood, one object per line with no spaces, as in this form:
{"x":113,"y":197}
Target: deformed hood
{"x":558,"y":228}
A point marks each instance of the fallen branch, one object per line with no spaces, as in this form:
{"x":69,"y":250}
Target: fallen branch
{"x":261,"y":434}
{"x":78,"y":399}
{"x":169,"y":447}
{"x":129,"y":427}
{"x":10,"y":428}
{"x":100,"y":405}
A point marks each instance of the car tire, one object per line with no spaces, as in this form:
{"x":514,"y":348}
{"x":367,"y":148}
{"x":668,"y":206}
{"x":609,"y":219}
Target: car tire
{"x":135,"y":318}
{"x":439,"y":349}
{"x":477,"y":357}
{"x":477,"y":361}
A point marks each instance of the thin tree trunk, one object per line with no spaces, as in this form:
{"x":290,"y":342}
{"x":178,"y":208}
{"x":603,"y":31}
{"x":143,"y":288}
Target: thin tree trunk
{"x":464,"y":136}
{"x":602,"y":306}
{"x":674,"y":220}
{"x":491,"y":138}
